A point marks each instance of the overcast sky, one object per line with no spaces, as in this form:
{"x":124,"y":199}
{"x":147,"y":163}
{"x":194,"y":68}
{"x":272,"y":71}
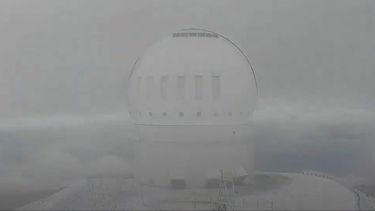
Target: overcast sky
{"x":67,"y":62}
{"x":73,"y":57}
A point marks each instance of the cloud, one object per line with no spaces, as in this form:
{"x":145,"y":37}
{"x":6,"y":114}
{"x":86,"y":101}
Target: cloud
{"x":56,"y":153}
{"x":300,"y":135}
{"x":73,"y":57}
{"x":289,"y":136}
{"x":61,"y":121}
{"x":64,"y":63}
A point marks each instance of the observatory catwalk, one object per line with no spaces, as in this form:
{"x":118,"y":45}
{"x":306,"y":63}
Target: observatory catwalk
{"x":191,"y":97}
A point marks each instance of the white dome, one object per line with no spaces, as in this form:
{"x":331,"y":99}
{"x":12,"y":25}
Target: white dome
{"x":193,"y":77}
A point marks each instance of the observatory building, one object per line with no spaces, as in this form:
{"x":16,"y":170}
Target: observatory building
{"x":191,"y":97}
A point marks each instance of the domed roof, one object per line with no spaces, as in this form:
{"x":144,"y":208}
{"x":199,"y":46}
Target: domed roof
{"x":193,"y":76}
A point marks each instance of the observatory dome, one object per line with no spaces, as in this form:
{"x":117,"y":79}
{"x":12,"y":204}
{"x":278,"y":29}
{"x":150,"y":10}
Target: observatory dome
{"x":192,"y":77}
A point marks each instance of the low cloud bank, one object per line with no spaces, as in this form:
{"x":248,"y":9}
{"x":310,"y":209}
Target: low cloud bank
{"x":290,"y":136}
{"x":335,"y":138}
{"x":53,"y":152}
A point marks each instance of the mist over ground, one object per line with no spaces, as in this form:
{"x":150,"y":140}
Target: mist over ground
{"x":288,"y":137}
{"x":64,"y":67}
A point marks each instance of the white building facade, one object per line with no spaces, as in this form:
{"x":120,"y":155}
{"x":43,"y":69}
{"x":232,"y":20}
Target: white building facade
{"x":192,"y":96}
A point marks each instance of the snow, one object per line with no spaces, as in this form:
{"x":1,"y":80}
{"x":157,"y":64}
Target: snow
{"x":304,"y":192}
{"x":298,"y":192}
{"x":96,"y":193}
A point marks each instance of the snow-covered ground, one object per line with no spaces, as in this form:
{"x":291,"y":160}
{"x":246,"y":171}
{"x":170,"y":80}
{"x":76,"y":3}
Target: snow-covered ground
{"x":297,"y":192}
{"x":304,"y":192}
{"x":98,"y":193}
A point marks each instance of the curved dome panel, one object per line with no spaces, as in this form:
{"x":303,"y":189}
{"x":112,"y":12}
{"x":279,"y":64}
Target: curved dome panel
{"x":192,"y":77}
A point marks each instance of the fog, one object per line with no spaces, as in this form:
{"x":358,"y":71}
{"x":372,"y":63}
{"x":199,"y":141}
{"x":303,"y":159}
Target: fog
{"x":64,"y":67}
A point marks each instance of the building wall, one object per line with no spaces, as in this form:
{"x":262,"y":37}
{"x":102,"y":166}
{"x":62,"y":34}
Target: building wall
{"x":163,"y":151}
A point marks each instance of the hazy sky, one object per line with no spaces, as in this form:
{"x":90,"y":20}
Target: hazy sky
{"x":67,"y":62}
{"x":73,"y":57}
